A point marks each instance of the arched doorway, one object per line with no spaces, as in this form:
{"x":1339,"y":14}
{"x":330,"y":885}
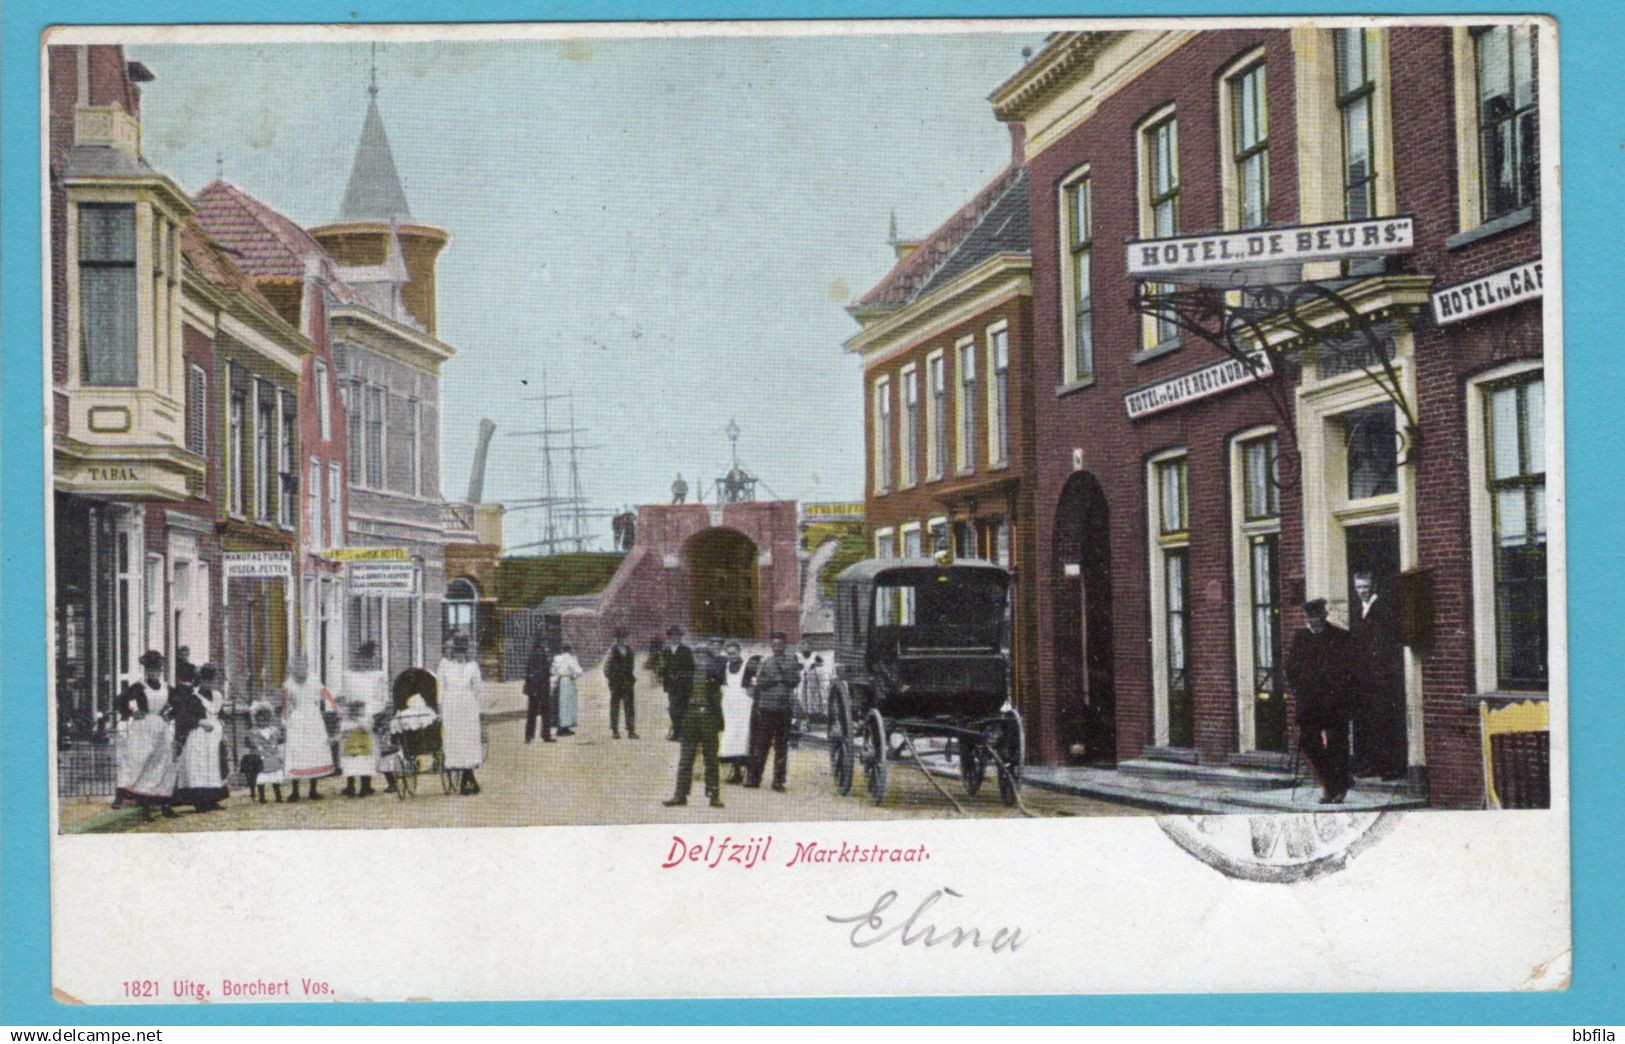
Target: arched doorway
{"x":1086,"y":706}
{"x":726,"y":589}
{"x":461,"y":609}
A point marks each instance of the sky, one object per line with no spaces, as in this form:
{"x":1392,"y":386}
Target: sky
{"x":668,"y":229}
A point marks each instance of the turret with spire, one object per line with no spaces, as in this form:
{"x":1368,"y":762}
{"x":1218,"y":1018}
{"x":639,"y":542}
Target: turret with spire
{"x":382,"y":250}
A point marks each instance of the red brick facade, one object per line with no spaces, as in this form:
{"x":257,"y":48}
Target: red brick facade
{"x":1091,"y":462}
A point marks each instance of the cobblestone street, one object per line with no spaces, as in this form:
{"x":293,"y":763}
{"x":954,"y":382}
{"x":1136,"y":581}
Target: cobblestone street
{"x":590,"y":779}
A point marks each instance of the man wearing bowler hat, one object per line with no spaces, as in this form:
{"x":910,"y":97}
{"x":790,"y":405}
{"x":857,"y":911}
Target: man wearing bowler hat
{"x":1319,"y":669}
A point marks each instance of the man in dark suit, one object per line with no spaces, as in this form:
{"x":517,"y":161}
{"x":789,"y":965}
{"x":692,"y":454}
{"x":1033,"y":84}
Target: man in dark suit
{"x":676,"y":675}
{"x":1318,"y":675}
{"x":1379,"y":671}
{"x":620,"y":670}
{"x":539,"y":687}
{"x":699,"y":724}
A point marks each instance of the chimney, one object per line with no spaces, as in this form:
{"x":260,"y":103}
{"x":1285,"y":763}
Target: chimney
{"x":1018,"y":143}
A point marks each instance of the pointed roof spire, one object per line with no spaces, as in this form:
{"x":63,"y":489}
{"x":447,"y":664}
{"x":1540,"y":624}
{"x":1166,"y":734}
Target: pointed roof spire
{"x":374,"y":192}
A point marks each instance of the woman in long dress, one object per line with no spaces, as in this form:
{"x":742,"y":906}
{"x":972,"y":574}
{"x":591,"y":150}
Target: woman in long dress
{"x":462,"y":693}
{"x":565,"y":670}
{"x":146,"y":756}
{"x":198,"y":732}
{"x":734,"y":747}
{"x":308,"y":755}
{"x":365,"y":697}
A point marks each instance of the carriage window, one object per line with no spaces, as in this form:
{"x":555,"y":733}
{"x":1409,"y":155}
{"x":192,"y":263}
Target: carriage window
{"x":947,"y":609}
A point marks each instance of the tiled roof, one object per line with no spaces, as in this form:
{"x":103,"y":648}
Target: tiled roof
{"x":994,"y":221}
{"x":212,"y":260}
{"x":268,"y":244}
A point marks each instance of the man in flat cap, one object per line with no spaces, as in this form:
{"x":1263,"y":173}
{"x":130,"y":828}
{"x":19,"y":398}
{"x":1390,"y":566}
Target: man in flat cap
{"x":1319,"y":673}
{"x":777,"y":680}
{"x":676,"y":675}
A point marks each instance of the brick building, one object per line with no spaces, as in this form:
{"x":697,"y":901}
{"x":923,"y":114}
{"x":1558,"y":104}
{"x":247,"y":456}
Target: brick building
{"x":156,"y":464}
{"x":1190,"y":489}
{"x":945,"y":344}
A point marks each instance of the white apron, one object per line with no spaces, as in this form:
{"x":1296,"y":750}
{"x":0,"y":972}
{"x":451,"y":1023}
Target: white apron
{"x":566,"y":669}
{"x":146,"y":762}
{"x":736,"y":707}
{"x":366,"y":694}
{"x":307,"y":755}
{"x":461,"y":692}
{"x":200,"y":757}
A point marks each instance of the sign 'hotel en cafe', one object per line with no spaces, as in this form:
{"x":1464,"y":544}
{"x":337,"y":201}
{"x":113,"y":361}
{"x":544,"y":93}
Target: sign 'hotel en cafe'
{"x":1258,"y":257}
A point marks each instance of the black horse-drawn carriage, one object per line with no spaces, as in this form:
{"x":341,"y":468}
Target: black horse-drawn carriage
{"x":920,"y":653}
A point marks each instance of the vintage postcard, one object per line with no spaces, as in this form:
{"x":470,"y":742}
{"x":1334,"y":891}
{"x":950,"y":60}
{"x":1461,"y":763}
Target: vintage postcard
{"x":562,"y":511}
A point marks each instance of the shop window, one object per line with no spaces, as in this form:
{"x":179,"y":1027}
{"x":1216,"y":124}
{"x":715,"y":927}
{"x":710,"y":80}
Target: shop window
{"x":1508,"y":119}
{"x":108,"y":301}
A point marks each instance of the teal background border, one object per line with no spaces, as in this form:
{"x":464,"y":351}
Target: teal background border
{"x":1593,"y":161}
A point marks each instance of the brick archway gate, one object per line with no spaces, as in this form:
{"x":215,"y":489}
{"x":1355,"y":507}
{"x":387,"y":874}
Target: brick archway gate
{"x":725,"y":592}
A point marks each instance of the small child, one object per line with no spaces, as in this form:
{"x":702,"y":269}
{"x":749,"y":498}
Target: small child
{"x":263,"y":763}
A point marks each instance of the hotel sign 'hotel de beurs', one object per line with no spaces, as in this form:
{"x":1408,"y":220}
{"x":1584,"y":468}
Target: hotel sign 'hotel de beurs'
{"x":1248,"y":314}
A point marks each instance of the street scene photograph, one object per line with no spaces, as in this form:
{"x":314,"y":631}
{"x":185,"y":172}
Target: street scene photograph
{"x":708,"y":424}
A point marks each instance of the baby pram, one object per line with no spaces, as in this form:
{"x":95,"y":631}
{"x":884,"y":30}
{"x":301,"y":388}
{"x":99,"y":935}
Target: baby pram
{"x":412,"y":735}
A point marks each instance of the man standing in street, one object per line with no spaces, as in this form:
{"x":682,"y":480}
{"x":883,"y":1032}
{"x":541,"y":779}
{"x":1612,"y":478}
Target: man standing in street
{"x":1317,"y":673}
{"x":699,"y":723}
{"x":539,"y":687}
{"x":1379,"y":670}
{"x":676,"y":675}
{"x":777,"y":679}
{"x":620,"y":670}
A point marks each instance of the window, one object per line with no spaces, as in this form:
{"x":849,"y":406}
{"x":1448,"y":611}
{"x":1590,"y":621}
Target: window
{"x":906,"y":595}
{"x":1508,"y":121}
{"x":461,"y":605}
{"x":1249,"y":128}
{"x":375,"y":437}
{"x":936,"y":415}
{"x":1355,"y":54}
{"x":107,"y":293}
{"x":885,"y":602}
{"x":265,"y":449}
{"x":313,"y":507}
{"x":998,"y":420}
{"x":1373,"y":451}
{"x":1079,"y":223}
{"x":288,"y":462}
{"x":1516,"y":416}
{"x":324,"y":408}
{"x":1258,"y":596}
{"x":236,"y":455}
{"x":353,"y":423}
{"x":885,"y":544}
{"x":1170,"y":600}
{"x":197,"y":411}
{"x":409,"y":440}
{"x":966,"y":406}
{"x":907,"y":474}
{"x":883,"y":435}
{"x":1161,"y":192}
{"x":937,"y":535}
{"x":335,"y":504}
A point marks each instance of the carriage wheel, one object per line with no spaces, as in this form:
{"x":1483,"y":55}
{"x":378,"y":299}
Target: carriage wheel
{"x":875,"y":769}
{"x":1012,"y":754}
{"x":840,"y":742}
{"x":448,"y":780}
{"x":972,"y":765}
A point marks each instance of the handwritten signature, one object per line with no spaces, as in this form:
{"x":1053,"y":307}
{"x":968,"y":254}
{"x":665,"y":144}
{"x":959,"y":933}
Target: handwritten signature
{"x":870,"y":927}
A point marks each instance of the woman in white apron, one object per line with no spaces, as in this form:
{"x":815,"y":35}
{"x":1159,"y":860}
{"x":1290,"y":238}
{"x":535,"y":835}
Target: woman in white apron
{"x":308,"y":755}
{"x":734,"y":746}
{"x":198,"y":727}
{"x":462,"y":692}
{"x":146,"y":756}
{"x":366,"y":695}
{"x":565,"y":670}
